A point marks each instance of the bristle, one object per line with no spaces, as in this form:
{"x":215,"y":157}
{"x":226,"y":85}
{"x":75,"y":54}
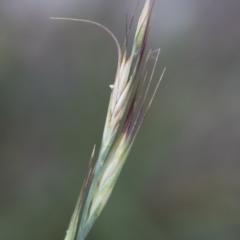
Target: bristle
{"x":99,"y":25}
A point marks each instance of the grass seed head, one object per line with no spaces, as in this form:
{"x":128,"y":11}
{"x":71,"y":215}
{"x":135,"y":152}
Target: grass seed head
{"x":122,"y":95}
{"x":117,"y":138}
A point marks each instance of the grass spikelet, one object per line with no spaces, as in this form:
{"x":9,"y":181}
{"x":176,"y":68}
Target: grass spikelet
{"x":128,"y":98}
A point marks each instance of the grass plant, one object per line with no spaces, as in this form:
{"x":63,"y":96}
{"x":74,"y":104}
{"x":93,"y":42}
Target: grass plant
{"x":128,"y":106}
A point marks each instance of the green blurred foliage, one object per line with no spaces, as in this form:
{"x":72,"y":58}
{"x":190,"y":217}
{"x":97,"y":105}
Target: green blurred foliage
{"x":181,"y":180}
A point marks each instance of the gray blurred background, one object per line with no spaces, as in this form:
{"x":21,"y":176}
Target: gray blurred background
{"x":181,"y":180}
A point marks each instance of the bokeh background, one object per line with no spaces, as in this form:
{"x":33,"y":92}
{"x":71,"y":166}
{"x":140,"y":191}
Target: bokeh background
{"x":181,"y":180}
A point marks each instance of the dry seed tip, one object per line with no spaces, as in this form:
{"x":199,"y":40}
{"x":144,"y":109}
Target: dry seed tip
{"x":92,"y":155}
{"x":128,"y":27}
{"x":111,"y":86}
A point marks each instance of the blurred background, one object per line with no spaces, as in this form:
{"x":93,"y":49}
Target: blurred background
{"x":181,"y":180}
